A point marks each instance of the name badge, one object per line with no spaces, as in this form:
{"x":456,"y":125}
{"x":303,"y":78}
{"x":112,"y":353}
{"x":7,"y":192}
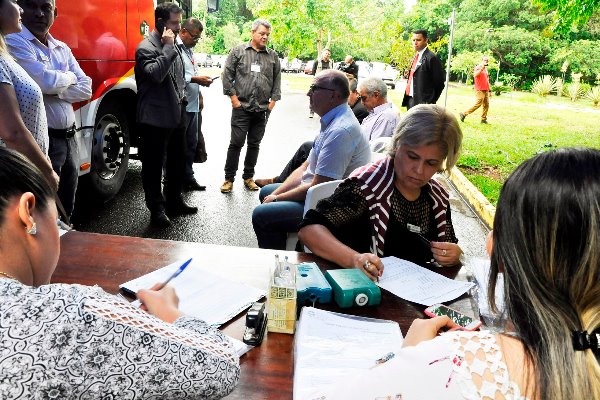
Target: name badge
{"x":255,"y":68}
{"x":413,"y":228}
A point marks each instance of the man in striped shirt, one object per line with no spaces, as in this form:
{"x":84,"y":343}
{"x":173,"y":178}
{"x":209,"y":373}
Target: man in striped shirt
{"x":252,"y":79}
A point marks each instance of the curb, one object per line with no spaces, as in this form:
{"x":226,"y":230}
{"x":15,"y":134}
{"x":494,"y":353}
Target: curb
{"x":480,"y":205}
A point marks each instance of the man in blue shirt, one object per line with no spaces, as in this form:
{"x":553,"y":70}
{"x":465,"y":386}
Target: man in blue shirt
{"x":338,"y":150}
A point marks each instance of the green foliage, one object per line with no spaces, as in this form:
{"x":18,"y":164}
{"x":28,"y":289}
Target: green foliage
{"x":570,"y":14}
{"x":488,"y":187}
{"x":465,"y":61}
{"x":582,"y":56}
{"x":594,"y":95}
{"x":544,"y":85}
{"x":573,"y":90}
{"x":510,"y":80}
{"x":497,"y":88}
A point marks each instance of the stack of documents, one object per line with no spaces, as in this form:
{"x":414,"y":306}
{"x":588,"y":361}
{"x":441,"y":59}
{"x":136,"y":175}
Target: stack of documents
{"x":330,"y":346}
{"x":201,"y":294}
{"x":414,"y":283}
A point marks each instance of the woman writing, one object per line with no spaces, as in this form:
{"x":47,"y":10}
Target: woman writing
{"x":393,"y":207}
{"x":60,"y":341}
{"x":23,"y":125}
{"x":546,"y":241}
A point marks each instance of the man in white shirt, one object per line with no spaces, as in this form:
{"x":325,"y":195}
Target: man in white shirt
{"x":53,"y":67}
{"x":188,"y":37}
{"x":382,"y":118}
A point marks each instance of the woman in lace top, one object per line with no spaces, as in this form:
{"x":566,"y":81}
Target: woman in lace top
{"x":60,"y":341}
{"x":393,"y":206}
{"x":546,"y":242}
{"x":23,"y":124}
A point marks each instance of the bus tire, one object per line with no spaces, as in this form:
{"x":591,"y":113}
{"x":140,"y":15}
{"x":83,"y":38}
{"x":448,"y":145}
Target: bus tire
{"x":110,"y":150}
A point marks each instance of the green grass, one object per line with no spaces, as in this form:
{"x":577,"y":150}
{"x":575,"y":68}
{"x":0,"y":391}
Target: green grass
{"x":521,"y":125}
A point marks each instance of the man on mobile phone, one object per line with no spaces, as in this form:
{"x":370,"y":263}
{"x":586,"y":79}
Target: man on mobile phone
{"x":161,"y":114}
{"x":482,"y":91}
{"x":190,"y":32}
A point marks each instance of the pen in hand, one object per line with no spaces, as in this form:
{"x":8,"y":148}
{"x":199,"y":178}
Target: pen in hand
{"x":138,"y":303}
{"x":175,"y":274}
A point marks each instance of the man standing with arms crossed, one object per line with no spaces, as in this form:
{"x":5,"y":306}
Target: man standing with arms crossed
{"x":52,"y":66}
{"x":190,"y":32}
{"x":159,"y":76}
{"x":426,"y":76}
{"x":252,"y":79}
{"x":320,"y":65}
{"x":482,"y":91}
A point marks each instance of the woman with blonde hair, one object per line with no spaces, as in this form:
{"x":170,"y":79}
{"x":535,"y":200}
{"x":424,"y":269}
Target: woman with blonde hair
{"x":23,"y":125}
{"x":393,"y":207}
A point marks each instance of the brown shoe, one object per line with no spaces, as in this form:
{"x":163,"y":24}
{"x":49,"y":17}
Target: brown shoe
{"x":249,"y":183}
{"x":264,"y":182}
{"x":226,"y":187}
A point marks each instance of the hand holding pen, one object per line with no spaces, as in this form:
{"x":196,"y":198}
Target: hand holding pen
{"x":370,"y":264}
{"x":161,"y":300}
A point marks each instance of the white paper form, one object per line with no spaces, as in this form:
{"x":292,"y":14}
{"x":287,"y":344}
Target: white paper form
{"x":329,"y":346}
{"x":417,"y":284}
{"x":201,"y":294}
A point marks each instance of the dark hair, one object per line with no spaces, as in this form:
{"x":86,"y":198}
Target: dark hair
{"x":17,"y":176}
{"x":192,"y":23}
{"x":421,"y":32}
{"x":164,"y":11}
{"x":547,"y":238}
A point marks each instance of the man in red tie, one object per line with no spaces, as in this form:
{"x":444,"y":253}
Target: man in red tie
{"x":426,"y":76}
{"x":482,"y":91}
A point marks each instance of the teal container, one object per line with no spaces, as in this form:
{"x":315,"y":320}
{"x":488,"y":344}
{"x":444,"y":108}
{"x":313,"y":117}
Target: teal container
{"x":351,"y":287}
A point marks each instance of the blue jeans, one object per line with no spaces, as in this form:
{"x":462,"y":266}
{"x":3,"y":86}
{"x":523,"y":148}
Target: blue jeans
{"x":272,"y":221}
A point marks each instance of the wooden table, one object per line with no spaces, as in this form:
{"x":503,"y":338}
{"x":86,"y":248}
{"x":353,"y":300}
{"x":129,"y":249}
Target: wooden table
{"x":267,"y":371}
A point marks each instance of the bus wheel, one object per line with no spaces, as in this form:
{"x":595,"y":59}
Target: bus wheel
{"x":110,"y":151}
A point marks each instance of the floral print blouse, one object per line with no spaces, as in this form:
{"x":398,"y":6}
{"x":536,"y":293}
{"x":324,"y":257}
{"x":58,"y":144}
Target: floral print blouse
{"x":63,"y":341}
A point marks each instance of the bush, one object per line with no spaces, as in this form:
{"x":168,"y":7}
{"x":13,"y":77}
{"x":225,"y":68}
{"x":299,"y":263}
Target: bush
{"x":510,"y":80}
{"x":498,"y":88}
{"x":560,"y":86}
{"x":573,"y":91}
{"x":594,"y":95}
{"x":544,"y":85}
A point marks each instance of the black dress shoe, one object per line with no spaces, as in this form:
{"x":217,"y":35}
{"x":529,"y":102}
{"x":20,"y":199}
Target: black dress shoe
{"x":159,"y":219}
{"x":193,"y":185}
{"x":180,"y":208}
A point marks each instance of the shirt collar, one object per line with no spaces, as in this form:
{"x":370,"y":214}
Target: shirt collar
{"x":381,"y":108}
{"x":249,"y":46}
{"x":421,"y":52}
{"x":332,"y":114}
{"x":26,"y":33}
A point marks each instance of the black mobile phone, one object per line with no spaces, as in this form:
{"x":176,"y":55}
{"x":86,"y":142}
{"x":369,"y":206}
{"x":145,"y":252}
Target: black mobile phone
{"x":215,"y":78}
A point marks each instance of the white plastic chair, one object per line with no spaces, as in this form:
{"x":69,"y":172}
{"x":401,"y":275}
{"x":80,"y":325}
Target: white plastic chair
{"x":313,"y":195}
{"x":379,"y":145}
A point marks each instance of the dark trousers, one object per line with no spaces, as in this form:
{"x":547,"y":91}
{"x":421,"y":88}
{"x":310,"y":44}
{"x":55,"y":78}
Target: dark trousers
{"x":296,"y":161}
{"x":245,"y":124}
{"x":156,"y":144}
{"x":191,"y":142}
{"x":64,"y":157}
{"x":411,"y":103}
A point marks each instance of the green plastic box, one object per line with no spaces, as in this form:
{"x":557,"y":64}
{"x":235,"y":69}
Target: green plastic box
{"x":351,"y":287}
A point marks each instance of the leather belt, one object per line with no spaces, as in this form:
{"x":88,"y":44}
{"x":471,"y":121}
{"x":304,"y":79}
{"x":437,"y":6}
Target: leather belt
{"x":66,"y":133}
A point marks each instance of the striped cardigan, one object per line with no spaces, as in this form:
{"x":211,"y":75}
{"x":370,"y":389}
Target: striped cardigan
{"x":377,"y":185}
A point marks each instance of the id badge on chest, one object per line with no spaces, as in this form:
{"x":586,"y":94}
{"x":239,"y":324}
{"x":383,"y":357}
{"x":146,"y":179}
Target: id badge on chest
{"x":255,"y":67}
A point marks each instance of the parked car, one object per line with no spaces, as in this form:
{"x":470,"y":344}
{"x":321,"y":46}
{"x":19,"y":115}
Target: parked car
{"x":218,"y":60}
{"x":308,"y":67}
{"x":364,"y":70}
{"x":386,"y":72}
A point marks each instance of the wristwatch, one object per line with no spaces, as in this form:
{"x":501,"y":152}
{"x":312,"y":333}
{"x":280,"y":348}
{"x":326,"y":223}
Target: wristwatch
{"x":274,"y":198}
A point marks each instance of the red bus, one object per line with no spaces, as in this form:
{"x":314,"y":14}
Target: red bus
{"x":103,"y":35}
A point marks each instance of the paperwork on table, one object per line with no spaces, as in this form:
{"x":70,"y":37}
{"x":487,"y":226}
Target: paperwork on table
{"x":414,"y":283}
{"x":201,"y":294}
{"x":330,"y":346}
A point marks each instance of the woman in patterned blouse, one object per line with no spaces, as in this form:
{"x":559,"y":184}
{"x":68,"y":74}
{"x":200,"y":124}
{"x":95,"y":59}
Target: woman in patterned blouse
{"x":393,"y":207}
{"x":60,"y":341}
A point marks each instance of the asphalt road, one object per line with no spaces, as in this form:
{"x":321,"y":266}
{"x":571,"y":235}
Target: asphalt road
{"x":227,"y":218}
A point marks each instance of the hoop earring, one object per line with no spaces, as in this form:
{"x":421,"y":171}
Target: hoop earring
{"x":32,"y":230}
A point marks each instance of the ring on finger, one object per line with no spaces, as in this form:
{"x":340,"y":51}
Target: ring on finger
{"x":444,"y":252}
{"x":366,"y":265}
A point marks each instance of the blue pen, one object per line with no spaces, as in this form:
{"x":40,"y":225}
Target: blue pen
{"x":175,"y":274}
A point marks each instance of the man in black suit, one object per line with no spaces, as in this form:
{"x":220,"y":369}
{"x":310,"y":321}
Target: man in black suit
{"x":426,"y":76}
{"x":159,"y":75}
